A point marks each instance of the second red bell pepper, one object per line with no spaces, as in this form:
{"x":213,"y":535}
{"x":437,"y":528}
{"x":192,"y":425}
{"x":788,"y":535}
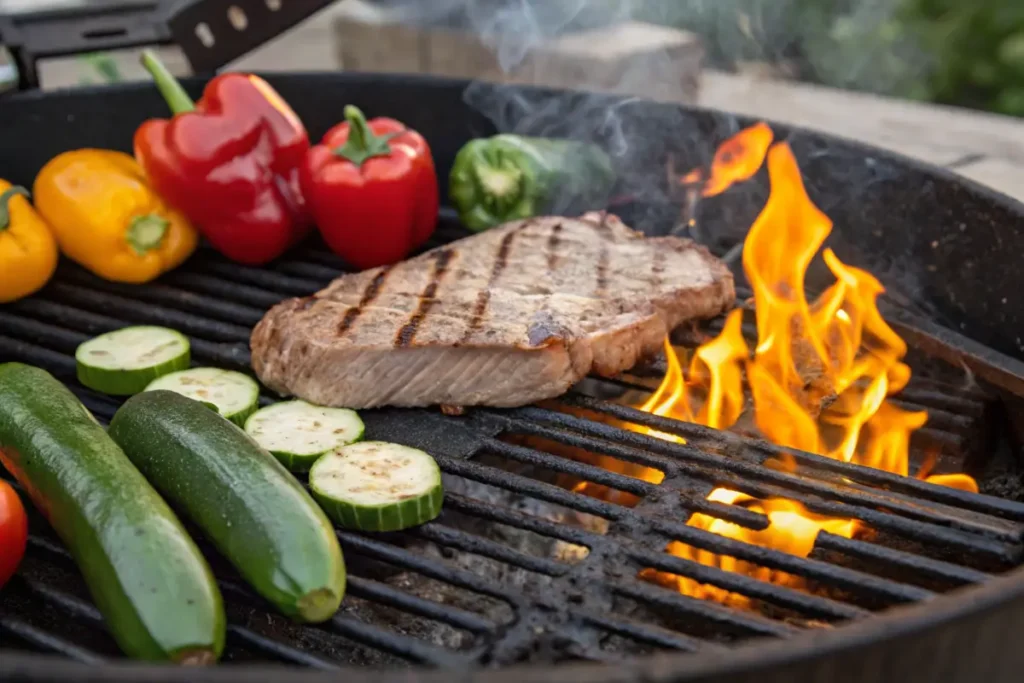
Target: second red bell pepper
{"x":372,"y":189}
{"x":229,"y":162}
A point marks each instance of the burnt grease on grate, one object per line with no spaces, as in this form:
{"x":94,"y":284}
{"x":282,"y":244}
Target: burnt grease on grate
{"x":520,"y":567}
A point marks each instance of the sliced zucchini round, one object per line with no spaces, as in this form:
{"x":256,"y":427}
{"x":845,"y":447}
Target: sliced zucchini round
{"x":234,"y":395}
{"x":377,"y":486}
{"x":298,"y":433}
{"x":125,"y":361}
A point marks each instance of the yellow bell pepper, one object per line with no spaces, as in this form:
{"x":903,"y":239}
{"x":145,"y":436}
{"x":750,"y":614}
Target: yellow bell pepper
{"x":28,"y":252}
{"x":106,"y":218}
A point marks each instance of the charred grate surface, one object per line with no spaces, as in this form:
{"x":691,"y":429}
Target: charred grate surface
{"x":521,"y":566}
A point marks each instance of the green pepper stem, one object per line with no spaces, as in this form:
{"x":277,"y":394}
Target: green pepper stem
{"x":175,"y":96}
{"x":146,"y":233}
{"x":358,"y":129}
{"x":5,"y":198}
{"x":362,"y":143}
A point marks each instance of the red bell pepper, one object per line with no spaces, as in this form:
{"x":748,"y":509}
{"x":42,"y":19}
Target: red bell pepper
{"x":372,"y":189}
{"x":230,"y":163}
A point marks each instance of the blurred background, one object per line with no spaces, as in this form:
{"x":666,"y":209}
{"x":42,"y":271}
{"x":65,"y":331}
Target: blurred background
{"x":968,"y":53}
{"x":956,"y":52}
{"x":938,"y":80}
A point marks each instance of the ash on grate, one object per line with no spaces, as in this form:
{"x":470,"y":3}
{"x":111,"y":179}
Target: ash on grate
{"x":311,"y":640}
{"x":551,"y":633}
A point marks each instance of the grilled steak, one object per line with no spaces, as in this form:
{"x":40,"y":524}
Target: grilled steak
{"x":503,"y":318}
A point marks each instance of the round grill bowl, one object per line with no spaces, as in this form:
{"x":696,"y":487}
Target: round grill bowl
{"x":943,"y":243}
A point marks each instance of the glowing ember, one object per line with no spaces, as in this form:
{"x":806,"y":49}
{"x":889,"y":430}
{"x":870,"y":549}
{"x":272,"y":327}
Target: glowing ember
{"x":818,"y":378}
{"x":792,"y":529}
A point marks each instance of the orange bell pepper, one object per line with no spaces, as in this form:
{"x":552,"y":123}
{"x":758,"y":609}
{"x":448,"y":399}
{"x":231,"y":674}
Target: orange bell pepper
{"x":106,"y":217}
{"x":28,"y":251}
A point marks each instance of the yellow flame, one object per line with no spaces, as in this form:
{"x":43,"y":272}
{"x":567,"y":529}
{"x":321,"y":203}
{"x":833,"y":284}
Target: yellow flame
{"x":819,"y":376}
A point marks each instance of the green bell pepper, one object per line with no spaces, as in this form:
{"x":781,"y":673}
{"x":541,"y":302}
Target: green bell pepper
{"x":510,"y":177}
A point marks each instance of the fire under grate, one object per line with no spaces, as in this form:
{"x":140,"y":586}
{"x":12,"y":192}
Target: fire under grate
{"x":521,"y":567}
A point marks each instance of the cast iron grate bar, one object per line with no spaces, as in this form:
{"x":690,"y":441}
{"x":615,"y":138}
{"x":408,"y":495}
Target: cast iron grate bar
{"x":407,"y":647}
{"x":701,"y":435}
{"x":83,"y":611}
{"x":470,"y":543}
{"x":216,"y":303}
{"x":276,"y":649}
{"x":858,"y":582}
{"x":732,"y":581}
{"x":164,"y":295}
{"x":746,"y":475}
{"x":193,"y":325}
{"x":922,"y":566}
{"x":840,"y":577}
{"x":1005,"y":547}
{"x":709,"y":611}
{"x":353,"y":629}
{"x":307,"y":271}
{"x":26,"y":352}
{"x":644,"y":633}
{"x":953,"y":417}
{"x":670,"y":568}
{"x":920,"y":393}
{"x":947,"y":428}
{"x":275,"y":282}
{"x":738,"y":620}
{"x":597,"y":475}
{"x":227,"y":290}
{"x":651,"y":634}
{"x":45,"y":336}
{"x":384,"y":594}
{"x":439,"y":571}
{"x":708,"y":466}
{"x":725,"y":618}
{"x":47,"y":642}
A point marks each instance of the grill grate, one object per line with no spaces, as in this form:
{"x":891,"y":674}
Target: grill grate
{"x":510,"y":602}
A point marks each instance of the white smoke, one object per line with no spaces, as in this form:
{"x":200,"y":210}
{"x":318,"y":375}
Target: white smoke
{"x":518,"y":34}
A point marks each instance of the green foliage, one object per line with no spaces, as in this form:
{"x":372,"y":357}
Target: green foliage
{"x":961,"y":52}
{"x":979,"y":50}
{"x":866,"y":45}
{"x":734,"y":31}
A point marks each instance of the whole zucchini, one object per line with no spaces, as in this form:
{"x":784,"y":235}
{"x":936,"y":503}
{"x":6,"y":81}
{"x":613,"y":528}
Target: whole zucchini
{"x":509,"y":177}
{"x":252,"y":509}
{"x":148,"y":578}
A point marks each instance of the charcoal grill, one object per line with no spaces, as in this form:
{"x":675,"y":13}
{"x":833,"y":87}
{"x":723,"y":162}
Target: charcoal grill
{"x":522,"y":576}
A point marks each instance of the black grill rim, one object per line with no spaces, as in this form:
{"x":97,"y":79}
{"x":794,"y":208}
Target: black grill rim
{"x":949,"y":637}
{"x":982,"y":621}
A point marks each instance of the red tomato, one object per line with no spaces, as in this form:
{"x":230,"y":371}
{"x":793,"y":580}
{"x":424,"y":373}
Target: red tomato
{"x":13,"y":531}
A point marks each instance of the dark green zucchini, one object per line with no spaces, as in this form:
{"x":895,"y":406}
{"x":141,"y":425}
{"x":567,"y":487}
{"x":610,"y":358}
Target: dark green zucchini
{"x":252,"y":509}
{"x":150,"y":582}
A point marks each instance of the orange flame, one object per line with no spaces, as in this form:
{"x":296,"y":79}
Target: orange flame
{"x":737,"y":159}
{"x":791,"y":529}
{"x":819,"y":376}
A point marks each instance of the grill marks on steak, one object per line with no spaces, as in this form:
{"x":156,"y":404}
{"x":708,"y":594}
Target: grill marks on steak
{"x":484,"y":297}
{"x":405,"y":336}
{"x":504,"y":318}
{"x":553,"y":242}
{"x":369,"y":294}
